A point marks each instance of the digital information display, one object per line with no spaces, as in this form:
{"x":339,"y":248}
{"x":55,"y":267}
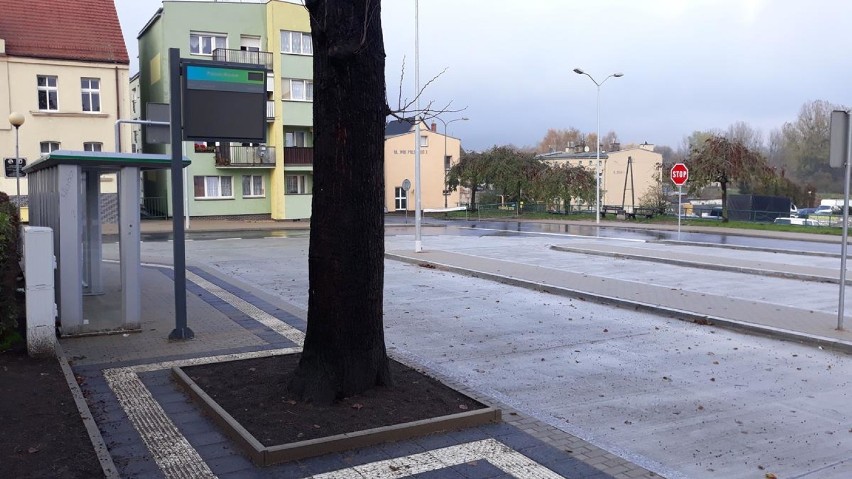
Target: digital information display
{"x":224,"y":103}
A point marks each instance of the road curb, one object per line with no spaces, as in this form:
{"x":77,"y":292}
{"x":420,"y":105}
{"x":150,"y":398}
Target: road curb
{"x":101,"y":450}
{"x":710,"y":266}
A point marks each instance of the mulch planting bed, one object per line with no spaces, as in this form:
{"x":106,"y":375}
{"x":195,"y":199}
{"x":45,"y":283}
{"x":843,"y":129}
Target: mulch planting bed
{"x":253,"y":391}
{"x":41,"y":432}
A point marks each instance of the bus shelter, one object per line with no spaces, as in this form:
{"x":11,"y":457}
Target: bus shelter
{"x":64,"y":191}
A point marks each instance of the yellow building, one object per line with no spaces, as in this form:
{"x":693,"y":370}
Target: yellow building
{"x":438,"y":152}
{"x":626,"y":175}
{"x":70,"y":83}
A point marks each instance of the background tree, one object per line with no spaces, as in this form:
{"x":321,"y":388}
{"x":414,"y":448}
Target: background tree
{"x":803,"y":149}
{"x":559,"y":185}
{"x":511,"y":172}
{"x":344,"y":351}
{"x":656,"y":196}
{"x":469,"y":172}
{"x":744,"y":133}
{"x":607,"y":142}
{"x":720,"y":160}
{"x":559,"y":140}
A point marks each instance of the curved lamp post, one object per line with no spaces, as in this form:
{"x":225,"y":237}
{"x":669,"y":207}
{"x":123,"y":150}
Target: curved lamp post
{"x":598,"y":146}
{"x":17,"y":119}
{"x":446,"y":168}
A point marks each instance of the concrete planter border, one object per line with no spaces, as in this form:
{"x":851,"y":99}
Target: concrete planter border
{"x":268,"y":455}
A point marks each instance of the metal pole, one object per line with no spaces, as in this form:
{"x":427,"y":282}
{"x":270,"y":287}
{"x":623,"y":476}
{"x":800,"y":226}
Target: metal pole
{"x":679,"y":208}
{"x":18,"y":171}
{"x":181,"y":330}
{"x":843,"y":245}
{"x":444,"y":160}
{"x":598,"y":161}
{"x":418,"y":245}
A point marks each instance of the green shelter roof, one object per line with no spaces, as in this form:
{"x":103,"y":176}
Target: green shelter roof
{"x":104,"y":160}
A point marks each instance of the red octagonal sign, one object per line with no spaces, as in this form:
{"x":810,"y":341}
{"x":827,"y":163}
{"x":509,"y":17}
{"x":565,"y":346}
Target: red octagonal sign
{"x":679,"y":174}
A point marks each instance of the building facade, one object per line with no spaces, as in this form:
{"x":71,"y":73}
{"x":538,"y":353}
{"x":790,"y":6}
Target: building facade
{"x":438,"y":152}
{"x":626,"y":175}
{"x":69,"y":83}
{"x":273,"y":179}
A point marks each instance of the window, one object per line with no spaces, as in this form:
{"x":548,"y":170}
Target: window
{"x":302,"y":90}
{"x":448,"y":162}
{"x":48,"y":93}
{"x":296,"y":42}
{"x":295,"y":185}
{"x":424,"y":141}
{"x":91,"y":89}
{"x":296,"y":138}
{"x":92,"y":146}
{"x":252,"y":186}
{"x":213,"y":187}
{"x":400,"y":198}
{"x":48,"y":146}
{"x":205,"y":43}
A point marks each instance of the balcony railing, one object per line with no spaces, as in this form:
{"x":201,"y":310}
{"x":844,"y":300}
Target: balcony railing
{"x":243,"y":56}
{"x":245,"y":156}
{"x":270,"y":110}
{"x":298,"y":156}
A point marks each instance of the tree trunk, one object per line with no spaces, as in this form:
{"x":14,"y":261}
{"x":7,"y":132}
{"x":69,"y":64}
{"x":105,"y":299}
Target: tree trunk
{"x":344,"y":351}
{"x":724,"y":187}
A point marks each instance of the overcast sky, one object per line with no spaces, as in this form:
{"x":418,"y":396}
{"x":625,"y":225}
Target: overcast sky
{"x":688,"y":64}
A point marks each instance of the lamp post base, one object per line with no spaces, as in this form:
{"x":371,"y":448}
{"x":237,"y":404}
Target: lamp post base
{"x":180,"y":334}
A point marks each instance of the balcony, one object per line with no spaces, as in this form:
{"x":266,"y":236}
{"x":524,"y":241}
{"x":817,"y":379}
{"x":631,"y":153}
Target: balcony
{"x":245,"y":156}
{"x":270,"y":110}
{"x":298,"y":156}
{"x":243,"y":56}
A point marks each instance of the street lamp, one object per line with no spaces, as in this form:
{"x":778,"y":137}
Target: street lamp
{"x":598,"y":146}
{"x":17,"y":119}
{"x":446,"y":166}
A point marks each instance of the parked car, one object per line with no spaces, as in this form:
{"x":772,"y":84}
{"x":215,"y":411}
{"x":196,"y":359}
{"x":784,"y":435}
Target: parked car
{"x":715,"y":213}
{"x":804,"y":212}
{"x":825,"y":210}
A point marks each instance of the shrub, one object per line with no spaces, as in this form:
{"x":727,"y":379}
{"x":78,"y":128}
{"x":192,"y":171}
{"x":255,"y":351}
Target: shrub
{"x":9,"y":269}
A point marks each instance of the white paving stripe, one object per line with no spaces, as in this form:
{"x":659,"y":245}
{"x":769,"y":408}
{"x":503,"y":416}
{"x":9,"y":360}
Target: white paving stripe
{"x":253,"y":311}
{"x":491,"y":450}
{"x":171,"y":451}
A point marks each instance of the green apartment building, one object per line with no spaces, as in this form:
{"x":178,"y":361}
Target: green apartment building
{"x":271,"y":180}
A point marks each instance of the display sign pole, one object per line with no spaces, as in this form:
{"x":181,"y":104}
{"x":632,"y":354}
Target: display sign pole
{"x":181,"y":330}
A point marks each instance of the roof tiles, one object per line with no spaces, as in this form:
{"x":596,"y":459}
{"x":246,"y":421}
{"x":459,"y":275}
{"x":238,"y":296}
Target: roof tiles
{"x":80,"y":30}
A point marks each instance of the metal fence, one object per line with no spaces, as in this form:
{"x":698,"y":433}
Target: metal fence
{"x":154,"y":208}
{"x":515,"y":210}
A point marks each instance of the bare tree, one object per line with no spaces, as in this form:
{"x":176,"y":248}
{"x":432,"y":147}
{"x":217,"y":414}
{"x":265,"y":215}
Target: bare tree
{"x":744,"y":133}
{"x":559,"y":140}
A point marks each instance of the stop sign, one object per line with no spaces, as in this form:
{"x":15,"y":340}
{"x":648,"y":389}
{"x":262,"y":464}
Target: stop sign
{"x":679,"y":174}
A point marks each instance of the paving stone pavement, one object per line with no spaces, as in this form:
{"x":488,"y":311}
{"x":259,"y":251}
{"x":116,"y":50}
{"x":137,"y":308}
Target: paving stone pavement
{"x":153,"y":430}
